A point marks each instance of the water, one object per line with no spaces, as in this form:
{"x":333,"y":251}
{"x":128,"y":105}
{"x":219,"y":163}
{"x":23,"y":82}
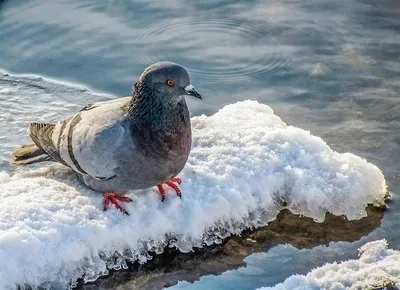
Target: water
{"x":331,"y":67}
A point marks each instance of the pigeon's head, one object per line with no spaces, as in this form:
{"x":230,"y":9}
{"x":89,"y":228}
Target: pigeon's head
{"x":169,"y":80}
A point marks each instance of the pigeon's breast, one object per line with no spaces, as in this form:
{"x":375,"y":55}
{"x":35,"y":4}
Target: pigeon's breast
{"x":163,"y":147}
{"x":164,"y":144}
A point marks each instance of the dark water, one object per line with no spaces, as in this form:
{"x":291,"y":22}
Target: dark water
{"x":331,"y":67}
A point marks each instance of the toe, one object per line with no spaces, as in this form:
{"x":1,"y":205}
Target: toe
{"x":177,"y":180}
{"x":124,"y":199}
{"x":174,"y":187}
{"x":161,"y":191}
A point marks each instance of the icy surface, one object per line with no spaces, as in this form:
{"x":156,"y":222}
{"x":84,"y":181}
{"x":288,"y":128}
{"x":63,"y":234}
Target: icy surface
{"x":376,"y":267}
{"x":244,"y":165}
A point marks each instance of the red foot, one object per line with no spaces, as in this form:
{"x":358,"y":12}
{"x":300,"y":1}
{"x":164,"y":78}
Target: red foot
{"x":170,"y":183}
{"x":112,"y":198}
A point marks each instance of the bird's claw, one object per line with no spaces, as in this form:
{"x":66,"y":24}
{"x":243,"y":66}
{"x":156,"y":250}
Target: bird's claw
{"x":112,"y":198}
{"x":171,"y":184}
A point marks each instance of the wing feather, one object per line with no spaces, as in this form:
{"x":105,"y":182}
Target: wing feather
{"x":91,"y":136}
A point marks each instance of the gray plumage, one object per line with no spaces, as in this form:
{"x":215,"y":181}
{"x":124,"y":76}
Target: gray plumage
{"x":124,"y":144}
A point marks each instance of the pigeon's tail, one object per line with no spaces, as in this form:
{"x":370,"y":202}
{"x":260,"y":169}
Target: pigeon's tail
{"x":28,"y":154}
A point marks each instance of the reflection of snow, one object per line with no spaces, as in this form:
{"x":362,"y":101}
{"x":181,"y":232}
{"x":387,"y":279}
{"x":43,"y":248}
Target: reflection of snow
{"x":351,"y":57}
{"x":377,"y":267}
{"x":244,"y":166}
{"x":318,"y":70}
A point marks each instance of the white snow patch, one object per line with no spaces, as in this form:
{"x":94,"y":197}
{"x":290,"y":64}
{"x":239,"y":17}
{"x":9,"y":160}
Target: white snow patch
{"x":376,"y":267}
{"x":244,"y":164}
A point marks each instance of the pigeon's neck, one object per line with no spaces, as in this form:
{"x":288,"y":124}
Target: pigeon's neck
{"x":160,"y":130}
{"x":155,"y":111}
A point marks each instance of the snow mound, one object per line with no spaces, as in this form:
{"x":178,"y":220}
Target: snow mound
{"x":246,"y":165}
{"x":376,"y":267}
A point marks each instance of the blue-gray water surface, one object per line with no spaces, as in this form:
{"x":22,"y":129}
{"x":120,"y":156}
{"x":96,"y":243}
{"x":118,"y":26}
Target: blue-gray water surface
{"x":331,"y":67}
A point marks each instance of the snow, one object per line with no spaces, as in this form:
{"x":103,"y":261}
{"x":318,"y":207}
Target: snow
{"x":376,"y":267}
{"x":244,"y":165}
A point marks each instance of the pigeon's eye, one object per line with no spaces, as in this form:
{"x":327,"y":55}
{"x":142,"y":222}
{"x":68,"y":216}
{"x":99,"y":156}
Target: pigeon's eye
{"x":170,"y":83}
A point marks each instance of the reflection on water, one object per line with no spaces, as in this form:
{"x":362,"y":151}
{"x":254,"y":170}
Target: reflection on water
{"x":331,"y":67}
{"x":302,"y":233}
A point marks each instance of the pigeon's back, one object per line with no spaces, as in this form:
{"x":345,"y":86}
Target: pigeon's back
{"x":91,"y":138}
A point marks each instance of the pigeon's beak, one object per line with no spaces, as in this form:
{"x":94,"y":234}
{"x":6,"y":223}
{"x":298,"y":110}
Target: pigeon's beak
{"x":192,"y":92}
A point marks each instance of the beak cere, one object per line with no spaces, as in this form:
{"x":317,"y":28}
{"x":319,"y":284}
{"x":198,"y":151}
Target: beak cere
{"x":192,"y":92}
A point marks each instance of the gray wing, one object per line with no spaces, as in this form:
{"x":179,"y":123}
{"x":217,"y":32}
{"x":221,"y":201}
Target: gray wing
{"x":88,"y":140}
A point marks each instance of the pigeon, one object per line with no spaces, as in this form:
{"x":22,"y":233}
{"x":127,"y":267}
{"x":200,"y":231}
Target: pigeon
{"x":124,"y":144}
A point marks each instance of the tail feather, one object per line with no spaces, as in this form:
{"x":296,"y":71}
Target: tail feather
{"x":42,"y":148}
{"x":28,"y":154}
